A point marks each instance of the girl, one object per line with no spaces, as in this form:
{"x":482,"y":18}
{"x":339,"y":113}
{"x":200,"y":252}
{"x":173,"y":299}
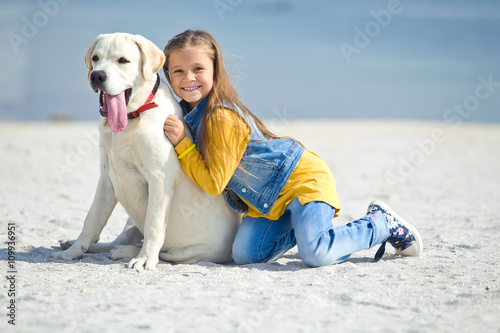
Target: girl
{"x":287,"y":193}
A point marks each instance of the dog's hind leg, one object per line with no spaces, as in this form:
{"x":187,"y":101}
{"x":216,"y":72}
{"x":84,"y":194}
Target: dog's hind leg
{"x":192,"y":254}
{"x":124,"y":252}
{"x":130,"y":235}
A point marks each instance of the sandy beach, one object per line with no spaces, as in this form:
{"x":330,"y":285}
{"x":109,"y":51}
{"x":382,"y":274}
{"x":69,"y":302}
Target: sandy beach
{"x":443,"y":178}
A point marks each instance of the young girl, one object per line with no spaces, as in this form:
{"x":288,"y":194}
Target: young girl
{"x":287,"y":193}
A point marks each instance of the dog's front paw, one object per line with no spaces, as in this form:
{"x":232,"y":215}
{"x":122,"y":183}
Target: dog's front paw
{"x":140,"y":263}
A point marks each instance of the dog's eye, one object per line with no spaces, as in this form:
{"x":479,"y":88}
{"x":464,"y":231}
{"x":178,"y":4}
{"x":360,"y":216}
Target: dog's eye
{"x":95,"y":58}
{"x":122,"y":60}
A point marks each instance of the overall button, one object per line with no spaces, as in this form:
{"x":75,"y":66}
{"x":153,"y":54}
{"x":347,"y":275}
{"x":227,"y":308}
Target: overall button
{"x":244,"y":190}
{"x":265,"y":205}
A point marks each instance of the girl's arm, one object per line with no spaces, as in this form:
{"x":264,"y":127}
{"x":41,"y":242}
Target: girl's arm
{"x":214,"y":178}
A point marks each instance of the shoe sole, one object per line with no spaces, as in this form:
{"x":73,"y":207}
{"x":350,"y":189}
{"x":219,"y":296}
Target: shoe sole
{"x":414,"y":250}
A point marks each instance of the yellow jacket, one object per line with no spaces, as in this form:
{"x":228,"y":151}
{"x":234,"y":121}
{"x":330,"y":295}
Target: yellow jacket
{"x":310,"y":181}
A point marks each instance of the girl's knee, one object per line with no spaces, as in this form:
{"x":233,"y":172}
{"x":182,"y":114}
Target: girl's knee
{"x":314,"y":259}
{"x":243,"y":256}
{"x":244,"y":253}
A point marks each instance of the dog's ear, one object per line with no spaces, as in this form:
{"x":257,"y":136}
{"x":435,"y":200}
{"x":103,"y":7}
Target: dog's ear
{"x":152,"y":57}
{"x":88,"y":55}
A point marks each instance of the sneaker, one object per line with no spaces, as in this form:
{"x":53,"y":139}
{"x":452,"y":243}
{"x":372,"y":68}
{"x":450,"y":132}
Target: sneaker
{"x":403,"y":236}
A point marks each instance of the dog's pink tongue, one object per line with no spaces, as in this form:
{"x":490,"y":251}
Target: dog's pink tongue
{"x":117,"y":112}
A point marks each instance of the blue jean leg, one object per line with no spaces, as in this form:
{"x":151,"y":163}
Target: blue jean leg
{"x":321,"y":244}
{"x":263,"y":240}
{"x":310,"y":227}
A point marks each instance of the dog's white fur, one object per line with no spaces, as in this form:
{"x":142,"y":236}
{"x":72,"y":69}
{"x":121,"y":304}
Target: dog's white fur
{"x":178,"y":221}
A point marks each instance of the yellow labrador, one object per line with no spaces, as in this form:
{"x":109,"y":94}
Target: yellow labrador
{"x":139,"y":167}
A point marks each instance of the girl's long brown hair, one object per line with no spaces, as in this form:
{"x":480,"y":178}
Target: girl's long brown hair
{"x":223,"y":93}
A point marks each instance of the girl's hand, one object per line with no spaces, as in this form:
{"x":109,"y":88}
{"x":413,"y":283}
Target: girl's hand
{"x":174,"y":129}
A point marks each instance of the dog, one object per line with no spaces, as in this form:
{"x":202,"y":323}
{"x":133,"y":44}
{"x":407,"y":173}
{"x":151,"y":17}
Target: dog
{"x":177,"y":221}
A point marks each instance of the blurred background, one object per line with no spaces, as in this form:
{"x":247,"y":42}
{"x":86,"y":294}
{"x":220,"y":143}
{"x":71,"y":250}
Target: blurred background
{"x":289,"y":59}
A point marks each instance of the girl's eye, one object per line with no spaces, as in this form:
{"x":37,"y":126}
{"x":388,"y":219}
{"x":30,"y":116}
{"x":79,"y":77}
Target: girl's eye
{"x":122,"y":60}
{"x":95,"y":58}
{"x":197,"y":69}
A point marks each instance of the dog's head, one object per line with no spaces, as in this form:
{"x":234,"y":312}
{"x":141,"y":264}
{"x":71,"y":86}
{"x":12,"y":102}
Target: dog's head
{"x":122,"y":67}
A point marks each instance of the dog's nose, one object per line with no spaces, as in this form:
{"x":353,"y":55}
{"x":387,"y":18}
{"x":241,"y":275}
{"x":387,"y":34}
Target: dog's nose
{"x":98,"y":76}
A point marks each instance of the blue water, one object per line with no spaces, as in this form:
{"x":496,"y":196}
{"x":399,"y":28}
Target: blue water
{"x":427,"y":60}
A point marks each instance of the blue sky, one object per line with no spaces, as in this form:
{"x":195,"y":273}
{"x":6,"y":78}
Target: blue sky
{"x":407,"y":59}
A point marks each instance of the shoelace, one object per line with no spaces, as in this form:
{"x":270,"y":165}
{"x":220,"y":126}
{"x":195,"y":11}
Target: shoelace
{"x":380,"y":251}
{"x":395,"y":242}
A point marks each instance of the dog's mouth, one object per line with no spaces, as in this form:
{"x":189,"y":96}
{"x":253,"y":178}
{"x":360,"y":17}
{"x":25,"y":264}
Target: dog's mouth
{"x":114,"y":107}
{"x":102,"y":98}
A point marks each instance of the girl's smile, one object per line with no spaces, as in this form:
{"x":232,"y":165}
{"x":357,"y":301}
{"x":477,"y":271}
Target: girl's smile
{"x":191,"y":88}
{"x":191,"y":74}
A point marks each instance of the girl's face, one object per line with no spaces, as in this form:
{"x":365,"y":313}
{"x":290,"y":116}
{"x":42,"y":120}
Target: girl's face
{"x":191,"y":74}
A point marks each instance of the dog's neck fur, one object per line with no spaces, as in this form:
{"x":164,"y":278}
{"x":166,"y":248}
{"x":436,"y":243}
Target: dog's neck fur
{"x":140,"y":96}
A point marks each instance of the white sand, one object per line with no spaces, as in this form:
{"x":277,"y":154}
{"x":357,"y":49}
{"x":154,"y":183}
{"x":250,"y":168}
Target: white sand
{"x":449,"y":189}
